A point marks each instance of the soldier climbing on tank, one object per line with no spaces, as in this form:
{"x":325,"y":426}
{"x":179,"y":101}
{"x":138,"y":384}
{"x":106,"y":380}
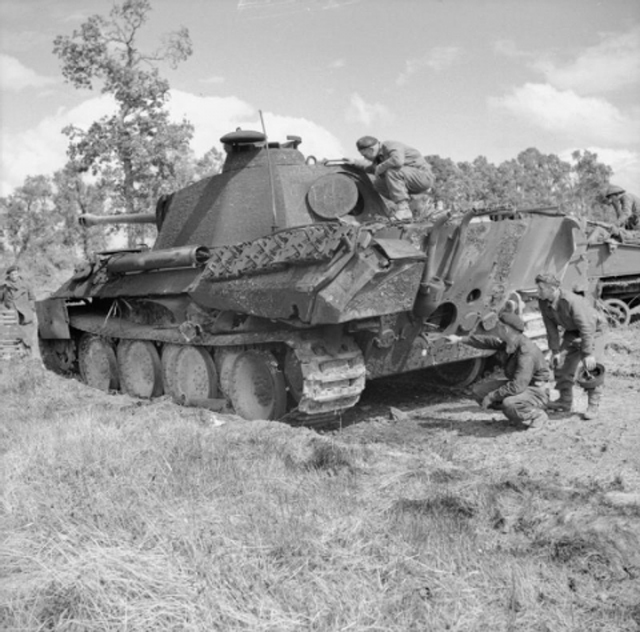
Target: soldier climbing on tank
{"x":523,"y":393}
{"x":16,"y":295}
{"x":581,"y":340}
{"x":627,"y":224}
{"x":399,"y":171}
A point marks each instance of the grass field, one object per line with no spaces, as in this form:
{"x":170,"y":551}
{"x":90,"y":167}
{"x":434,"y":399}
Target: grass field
{"x":124,"y":515}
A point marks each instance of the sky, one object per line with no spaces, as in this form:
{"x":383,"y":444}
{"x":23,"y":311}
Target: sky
{"x":456,"y":78}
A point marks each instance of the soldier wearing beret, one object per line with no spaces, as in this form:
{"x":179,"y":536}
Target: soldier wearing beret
{"x":576,"y":334}
{"x":523,"y":393}
{"x":399,"y":171}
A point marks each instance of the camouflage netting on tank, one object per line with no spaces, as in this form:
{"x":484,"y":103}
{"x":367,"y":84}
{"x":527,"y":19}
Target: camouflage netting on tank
{"x":296,"y":246}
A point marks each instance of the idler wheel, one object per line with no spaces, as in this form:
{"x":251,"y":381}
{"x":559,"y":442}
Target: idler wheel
{"x":140,"y":368}
{"x":333,"y":195}
{"x":460,"y":373}
{"x":97,"y":363}
{"x":617,"y":312}
{"x":256,"y":388}
{"x":192,"y":374}
{"x":58,"y":356}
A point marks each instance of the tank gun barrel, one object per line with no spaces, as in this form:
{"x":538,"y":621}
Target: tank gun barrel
{"x":87,"y":219}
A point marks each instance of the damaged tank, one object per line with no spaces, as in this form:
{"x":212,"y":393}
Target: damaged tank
{"x":283,"y":284}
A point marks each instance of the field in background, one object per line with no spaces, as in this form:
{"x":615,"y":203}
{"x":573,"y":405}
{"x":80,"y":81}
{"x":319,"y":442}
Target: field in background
{"x":127,"y":515}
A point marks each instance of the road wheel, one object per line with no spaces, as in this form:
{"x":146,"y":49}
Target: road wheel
{"x":140,"y":368}
{"x":617,"y":312}
{"x":97,"y":363}
{"x":169,"y":354}
{"x":461,"y":373}
{"x":256,"y":388}
{"x":224,"y":361}
{"x":191,"y":374}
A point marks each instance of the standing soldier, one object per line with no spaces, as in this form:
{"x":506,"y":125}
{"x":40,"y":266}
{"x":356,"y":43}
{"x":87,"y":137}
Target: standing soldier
{"x":582,"y":340}
{"x":523,"y":393}
{"x":15,"y":295}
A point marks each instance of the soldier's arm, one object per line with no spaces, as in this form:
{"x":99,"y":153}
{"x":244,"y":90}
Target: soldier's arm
{"x":395,"y":160}
{"x":625,"y":209}
{"x":521,"y":379}
{"x":483,"y":342}
{"x":553,"y":335}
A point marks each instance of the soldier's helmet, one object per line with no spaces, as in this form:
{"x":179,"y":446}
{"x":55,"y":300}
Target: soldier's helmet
{"x":589,"y":380}
{"x":613,"y":189}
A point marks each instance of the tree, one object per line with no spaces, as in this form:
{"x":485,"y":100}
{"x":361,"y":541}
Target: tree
{"x":134,"y":152}
{"x":31,"y":222}
{"x":73,"y":197}
{"x":590,"y":179}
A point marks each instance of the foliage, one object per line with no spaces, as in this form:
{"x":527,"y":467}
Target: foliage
{"x":73,"y":197}
{"x":30,"y":215}
{"x":133,"y":152}
{"x":532,"y":179}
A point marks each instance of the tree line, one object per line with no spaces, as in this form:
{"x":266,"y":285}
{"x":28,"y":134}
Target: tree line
{"x":124,"y":162}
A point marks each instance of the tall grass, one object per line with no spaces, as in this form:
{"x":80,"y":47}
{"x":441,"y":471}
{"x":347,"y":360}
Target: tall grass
{"x":120,"y":515}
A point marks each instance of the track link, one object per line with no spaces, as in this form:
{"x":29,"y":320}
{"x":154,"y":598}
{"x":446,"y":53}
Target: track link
{"x":332,"y":381}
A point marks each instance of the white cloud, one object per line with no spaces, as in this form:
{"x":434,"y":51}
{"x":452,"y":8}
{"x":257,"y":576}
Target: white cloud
{"x":624,"y":162}
{"x":42,"y":149}
{"x":215,"y":79}
{"x":213,"y":117}
{"x":359,"y":111}
{"x":15,"y":76}
{"x":563,"y":111}
{"x":507,"y":48}
{"x":438,"y":58}
{"x":612,"y":64}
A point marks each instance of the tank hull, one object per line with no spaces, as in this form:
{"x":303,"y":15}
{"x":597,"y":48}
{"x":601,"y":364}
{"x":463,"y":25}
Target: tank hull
{"x":283,"y":285}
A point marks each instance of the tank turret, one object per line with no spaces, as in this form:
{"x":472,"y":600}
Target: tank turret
{"x":283,"y":283}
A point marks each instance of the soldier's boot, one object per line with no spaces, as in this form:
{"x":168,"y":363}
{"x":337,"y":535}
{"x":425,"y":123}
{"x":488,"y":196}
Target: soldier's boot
{"x":564,"y":403}
{"x":538,"y":418}
{"x":593,"y":396}
{"x":403,"y":210}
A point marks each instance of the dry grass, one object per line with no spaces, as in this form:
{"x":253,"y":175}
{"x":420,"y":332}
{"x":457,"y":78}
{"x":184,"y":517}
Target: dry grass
{"x":118,"y":515}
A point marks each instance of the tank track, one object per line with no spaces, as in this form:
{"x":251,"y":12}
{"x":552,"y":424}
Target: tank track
{"x":306,"y":244}
{"x":332,"y":382}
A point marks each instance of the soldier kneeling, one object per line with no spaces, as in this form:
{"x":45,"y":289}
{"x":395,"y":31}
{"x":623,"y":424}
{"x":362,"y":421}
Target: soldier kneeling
{"x":523,"y":393}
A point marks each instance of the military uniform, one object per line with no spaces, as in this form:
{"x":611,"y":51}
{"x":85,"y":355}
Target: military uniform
{"x":523,"y":394}
{"x":627,"y":225}
{"x":400,"y":171}
{"x":627,"y":208}
{"x":14,"y":294}
{"x":583,"y":336}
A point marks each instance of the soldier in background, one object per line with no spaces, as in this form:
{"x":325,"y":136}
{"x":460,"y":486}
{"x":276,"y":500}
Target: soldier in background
{"x":16,"y":295}
{"x":523,"y":393}
{"x":399,"y":171}
{"x":627,"y":210}
{"x":581,"y":340}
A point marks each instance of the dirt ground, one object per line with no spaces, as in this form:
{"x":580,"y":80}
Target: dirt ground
{"x":414,"y":412}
